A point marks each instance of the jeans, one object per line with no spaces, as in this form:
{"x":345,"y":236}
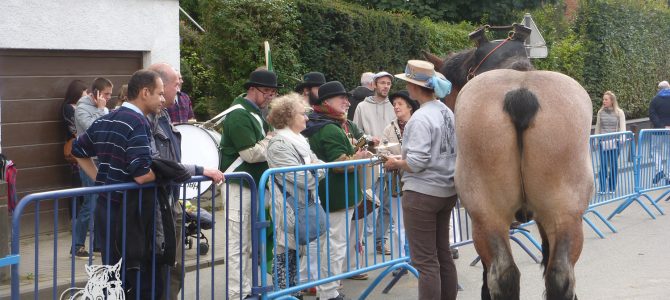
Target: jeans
{"x":609,"y":163}
{"x":84,"y":216}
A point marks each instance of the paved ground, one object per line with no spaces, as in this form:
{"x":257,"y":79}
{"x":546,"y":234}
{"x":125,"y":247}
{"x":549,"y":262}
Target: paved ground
{"x":631,"y":264}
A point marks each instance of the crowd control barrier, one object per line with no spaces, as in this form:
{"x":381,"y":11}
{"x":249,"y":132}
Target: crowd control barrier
{"x":343,"y":249}
{"x":651,"y":170}
{"x":50,"y":272}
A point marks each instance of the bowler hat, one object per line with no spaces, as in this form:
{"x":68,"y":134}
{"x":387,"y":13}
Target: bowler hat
{"x":405,"y":95}
{"x":262,"y":78}
{"x":330,"y":90}
{"x":311,"y":79}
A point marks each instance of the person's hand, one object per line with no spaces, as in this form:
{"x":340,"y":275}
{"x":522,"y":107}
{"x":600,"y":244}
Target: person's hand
{"x":362,"y":154}
{"x":375,"y":140}
{"x":216,"y":175}
{"x":100,"y":102}
{"x":392,"y":162}
{"x":270,"y":134}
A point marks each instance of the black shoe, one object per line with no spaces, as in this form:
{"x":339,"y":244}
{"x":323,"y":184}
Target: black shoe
{"x":454,"y":253}
{"x":81,"y":253}
{"x":658,"y":177}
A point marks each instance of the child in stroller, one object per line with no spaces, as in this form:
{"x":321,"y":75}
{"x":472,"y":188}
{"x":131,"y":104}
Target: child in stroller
{"x":191,"y":226}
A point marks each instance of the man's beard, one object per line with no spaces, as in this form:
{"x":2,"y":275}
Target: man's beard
{"x":312,"y":98}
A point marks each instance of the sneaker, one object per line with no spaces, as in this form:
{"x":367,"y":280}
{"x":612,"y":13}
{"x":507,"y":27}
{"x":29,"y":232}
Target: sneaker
{"x":363,"y":276}
{"x":658,"y":177}
{"x":81,"y":253}
{"x":383,"y":250}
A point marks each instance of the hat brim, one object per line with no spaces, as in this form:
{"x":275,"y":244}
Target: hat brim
{"x":249,"y":84}
{"x":412,"y":103}
{"x":417,"y":82}
{"x":302,"y":85}
{"x":331,"y":95}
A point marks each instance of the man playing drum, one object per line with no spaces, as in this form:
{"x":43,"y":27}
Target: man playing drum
{"x":243,"y":146}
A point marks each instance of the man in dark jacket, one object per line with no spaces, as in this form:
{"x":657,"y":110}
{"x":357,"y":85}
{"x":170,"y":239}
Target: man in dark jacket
{"x":659,"y":114}
{"x":366,"y":89}
{"x":167,"y":144}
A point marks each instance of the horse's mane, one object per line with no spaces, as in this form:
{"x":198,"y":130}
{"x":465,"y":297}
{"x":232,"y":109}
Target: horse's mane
{"x":456,"y":66}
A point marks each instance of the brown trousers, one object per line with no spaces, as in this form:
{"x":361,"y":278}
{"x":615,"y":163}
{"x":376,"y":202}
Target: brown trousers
{"x":427,"y":229}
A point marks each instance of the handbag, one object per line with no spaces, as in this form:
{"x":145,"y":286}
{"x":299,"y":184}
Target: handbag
{"x":305,"y":217}
{"x":67,"y":151}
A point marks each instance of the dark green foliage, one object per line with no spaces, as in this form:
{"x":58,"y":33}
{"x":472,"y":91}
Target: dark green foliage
{"x":498,"y":12}
{"x":339,"y":39}
{"x":626,"y":46}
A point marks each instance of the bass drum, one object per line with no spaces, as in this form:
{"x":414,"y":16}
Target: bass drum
{"x":199,"y":146}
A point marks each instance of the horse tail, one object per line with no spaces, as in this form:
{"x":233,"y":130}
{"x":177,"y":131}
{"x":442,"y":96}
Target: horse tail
{"x":522,"y":106}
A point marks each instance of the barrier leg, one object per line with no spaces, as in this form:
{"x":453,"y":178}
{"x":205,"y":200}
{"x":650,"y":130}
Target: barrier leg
{"x":622,"y":207}
{"x":602,"y":218}
{"x":393,"y":281}
{"x":475,"y":261}
{"x":655,"y":203}
{"x":646,"y":208}
{"x":593,"y":226}
{"x":381,"y":276}
{"x":529,"y":237}
{"x":530,"y":253}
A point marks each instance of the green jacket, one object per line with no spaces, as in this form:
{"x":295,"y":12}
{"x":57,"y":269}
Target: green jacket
{"x":241,"y":131}
{"x":329,"y":143}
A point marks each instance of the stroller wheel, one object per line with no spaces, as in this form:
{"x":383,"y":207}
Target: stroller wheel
{"x":204,"y":248}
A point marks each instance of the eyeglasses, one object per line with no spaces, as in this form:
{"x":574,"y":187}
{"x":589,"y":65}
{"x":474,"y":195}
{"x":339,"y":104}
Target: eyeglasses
{"x":272,"y":92}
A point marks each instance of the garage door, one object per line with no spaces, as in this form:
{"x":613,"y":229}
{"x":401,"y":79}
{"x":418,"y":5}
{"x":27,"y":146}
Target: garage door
{"x":32,"y":87}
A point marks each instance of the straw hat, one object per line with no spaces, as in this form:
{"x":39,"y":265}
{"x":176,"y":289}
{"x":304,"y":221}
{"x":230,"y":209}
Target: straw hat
{"x":418,"y":72}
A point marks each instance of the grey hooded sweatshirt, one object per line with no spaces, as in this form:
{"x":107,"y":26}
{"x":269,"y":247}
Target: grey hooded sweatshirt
{"x":85,"y":113}
{"x":429,"y":147}
{"x":373,"y":117}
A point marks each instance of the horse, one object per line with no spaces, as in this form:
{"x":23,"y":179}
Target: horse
{"x":461,"y":66}
{"x":523,"y":152}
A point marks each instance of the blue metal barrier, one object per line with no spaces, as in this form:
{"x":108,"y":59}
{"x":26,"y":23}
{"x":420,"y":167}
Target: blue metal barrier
{"x":62,"y":276}
{"x":354,"y":263}
{"x":652,"y":160}
{"x":613,"y":158}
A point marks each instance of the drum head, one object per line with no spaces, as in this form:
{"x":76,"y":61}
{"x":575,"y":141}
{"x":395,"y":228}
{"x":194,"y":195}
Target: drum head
{"x":199,"y":146}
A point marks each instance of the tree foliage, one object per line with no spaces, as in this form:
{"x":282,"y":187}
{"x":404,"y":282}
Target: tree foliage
{"x":496,"y":12}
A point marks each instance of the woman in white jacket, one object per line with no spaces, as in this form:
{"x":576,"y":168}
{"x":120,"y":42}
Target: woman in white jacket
{"x":286,"y":149}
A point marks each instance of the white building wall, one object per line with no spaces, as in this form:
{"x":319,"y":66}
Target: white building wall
{"x":151,"y":26}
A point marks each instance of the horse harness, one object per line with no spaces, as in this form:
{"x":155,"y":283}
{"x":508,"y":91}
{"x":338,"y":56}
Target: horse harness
{"x":518,"y":32}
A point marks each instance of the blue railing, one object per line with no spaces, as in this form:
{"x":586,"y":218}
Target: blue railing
{"x":625,"y":170}
{"x":329,"y":245}
{"x":192,"y":220}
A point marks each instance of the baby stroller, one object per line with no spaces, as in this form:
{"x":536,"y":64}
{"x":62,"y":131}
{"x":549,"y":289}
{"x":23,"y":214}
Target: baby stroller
{"x":191,"y":226}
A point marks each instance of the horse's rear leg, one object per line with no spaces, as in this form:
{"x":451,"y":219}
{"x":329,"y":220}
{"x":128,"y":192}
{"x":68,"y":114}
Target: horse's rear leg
{"x":501,"y":275}
{"x":565,"y":245}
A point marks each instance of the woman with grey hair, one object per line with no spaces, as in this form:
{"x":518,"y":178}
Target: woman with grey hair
{"x":289,"y":148}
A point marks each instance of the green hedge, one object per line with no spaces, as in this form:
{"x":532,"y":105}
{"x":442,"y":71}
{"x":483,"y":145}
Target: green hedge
{"x":339,"y":39}
{"x":618,"y":45}
{"x":627,"y":51}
